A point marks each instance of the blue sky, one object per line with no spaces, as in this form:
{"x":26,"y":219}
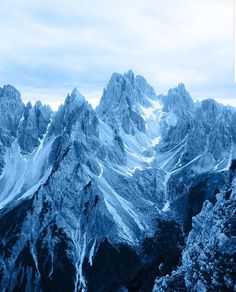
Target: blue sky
{"x":49,"y":47}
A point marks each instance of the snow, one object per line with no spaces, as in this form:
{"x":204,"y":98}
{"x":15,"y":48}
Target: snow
{"x":82,"y":256}
{"x":41,"y":141}
{"x":138,"y":147}
{"x":13,"y":176}
{"x":106,"y":134}
{"x":171,"y":119}
{"x":152,"y":116}
{"x":52,"y":260}
{"x":151,"y":112}
{"x":137,"y":143}
{"x":91,"y":253}
{"x":140,"y":157}
{"x":126,"y":232}
{"x":166,"y":207}
{"x":35,"y":187}
{"x":23,"y":174}
{"x":156,"y":140}
{"x":168,"y":160}
{"x":119,"y":169}
{"x":131,"y":171}
{"x":120,"y":208}
{"x":22,"y":118}
{"x":135,"y":147}
{"x":101,"y":172}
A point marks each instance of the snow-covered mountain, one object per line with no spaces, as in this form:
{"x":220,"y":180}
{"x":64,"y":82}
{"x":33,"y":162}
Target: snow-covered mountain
{"x":93,"y":199}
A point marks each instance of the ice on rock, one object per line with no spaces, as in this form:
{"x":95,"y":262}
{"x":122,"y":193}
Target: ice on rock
{"x":166,"y":207}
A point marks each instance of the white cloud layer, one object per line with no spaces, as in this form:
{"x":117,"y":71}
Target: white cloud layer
{"x":49,"y":47}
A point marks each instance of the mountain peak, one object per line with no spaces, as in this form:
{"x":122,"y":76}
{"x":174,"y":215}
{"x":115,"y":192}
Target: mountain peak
{"x":122,"y":99}
{"x":74,"y":115}
{"x":126,"y":88}
{"x":11,"y":108}
{"x":38,"y":104}
{"x":130,"y":75}
{"x":75,"y":98}
{"x":179,"y":100}
{"x":10,"y":92}
{"x":75,"y":92}
{"x":180,"y":89}
{"x":117,"y":77}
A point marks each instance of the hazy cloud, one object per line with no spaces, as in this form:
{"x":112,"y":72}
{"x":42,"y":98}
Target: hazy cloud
{"x":49,"y":47}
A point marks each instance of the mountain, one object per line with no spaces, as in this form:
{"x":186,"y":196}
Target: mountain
{"x":108,"y":199}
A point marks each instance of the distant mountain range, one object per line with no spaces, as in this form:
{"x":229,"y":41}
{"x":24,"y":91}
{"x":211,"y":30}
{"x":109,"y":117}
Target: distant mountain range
{"x":136,"y":195}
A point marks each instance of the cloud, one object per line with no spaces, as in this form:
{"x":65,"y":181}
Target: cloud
{"x":49,"y":47}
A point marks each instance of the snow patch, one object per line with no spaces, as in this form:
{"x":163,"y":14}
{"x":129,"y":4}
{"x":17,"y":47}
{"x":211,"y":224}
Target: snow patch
{"x":120,"y":208}
{"x":166,"y":207}
{"x":23,"y":174}
{"x":171,"y":119}
{"x":91,"y":253}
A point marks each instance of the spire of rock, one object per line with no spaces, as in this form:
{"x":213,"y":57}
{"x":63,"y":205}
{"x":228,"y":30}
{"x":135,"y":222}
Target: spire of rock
{"x":11,"y":108}
{"x":121,"y":100}
{"x":178,"y":100}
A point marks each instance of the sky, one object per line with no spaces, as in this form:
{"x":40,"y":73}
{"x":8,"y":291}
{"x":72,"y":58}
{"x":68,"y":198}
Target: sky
{"x":48,"y":47}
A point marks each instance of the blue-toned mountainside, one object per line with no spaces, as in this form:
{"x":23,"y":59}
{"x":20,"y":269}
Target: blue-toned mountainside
{"x":136,"y":195}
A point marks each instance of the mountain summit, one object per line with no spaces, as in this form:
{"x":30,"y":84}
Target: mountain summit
{"x":121,"y":100}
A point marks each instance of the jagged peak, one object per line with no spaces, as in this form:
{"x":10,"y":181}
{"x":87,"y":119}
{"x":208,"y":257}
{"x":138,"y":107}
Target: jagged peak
{"x":178,"y":99}
{"x":28,"y":105}
{"x":126,"y":88}
{"x":209,"y":103}
{"x":121,"y":101}
{"x":179,"y":93}
{"x":75,"y":92}
{"x":116,"y":77}
{"x":42,"y":107}
{"x":180,"y":89}
{"x":38,"y":104}
{"x":75,"y":98}
{"x":10,"y":91}
{"x":75,"y":114}
{"x":130,"y":75}
{"x":211,"y":109}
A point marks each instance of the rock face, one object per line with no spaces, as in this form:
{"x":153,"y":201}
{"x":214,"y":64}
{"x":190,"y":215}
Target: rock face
{"x":208,"y":260}
{"x":120,"y":102}
{"x":102,"y":200}
{"x":33,"y":126}
{"x":11,"y":108}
